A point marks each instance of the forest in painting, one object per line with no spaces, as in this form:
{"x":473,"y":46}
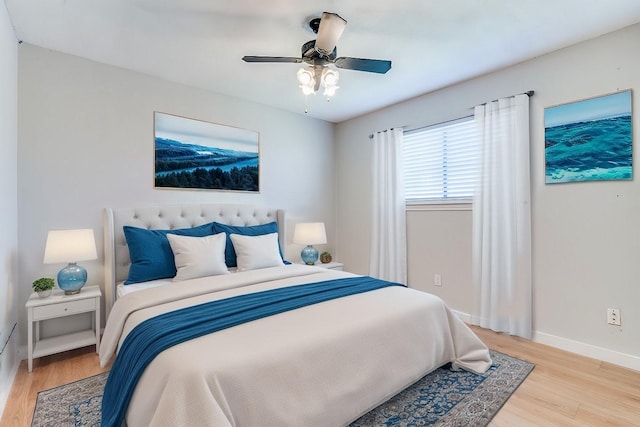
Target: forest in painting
{"x":181,"y":165}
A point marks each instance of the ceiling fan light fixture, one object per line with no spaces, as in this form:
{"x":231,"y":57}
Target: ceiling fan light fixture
{"x":329,"y":91}
{"x":307,"y":80}
{"x":321,"y":57}
{"x":329,"y":80}
{"x":308,"y":89}
{"x":306,"y":76}
{"x":330,"y":77}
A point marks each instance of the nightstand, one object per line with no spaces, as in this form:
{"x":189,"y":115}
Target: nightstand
{"x":333,"y":265}
{"x":60,"y":305}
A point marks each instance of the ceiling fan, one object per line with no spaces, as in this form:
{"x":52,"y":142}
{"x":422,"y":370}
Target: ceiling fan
{"x":322,"y":52}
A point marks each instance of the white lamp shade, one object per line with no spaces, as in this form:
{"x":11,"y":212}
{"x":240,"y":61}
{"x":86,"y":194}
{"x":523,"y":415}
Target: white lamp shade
{"x":330,"y":30}
{"x":64,"y":246}
{"x":310,"y":233}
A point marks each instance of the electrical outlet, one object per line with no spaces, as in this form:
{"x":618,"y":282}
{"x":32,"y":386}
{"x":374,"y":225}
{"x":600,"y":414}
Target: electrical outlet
{"x":437,"y":280}
{"x":613,"y":316}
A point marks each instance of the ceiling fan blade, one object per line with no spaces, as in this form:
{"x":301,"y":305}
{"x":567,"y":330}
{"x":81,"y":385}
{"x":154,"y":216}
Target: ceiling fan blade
{"x":331,"y":28}
{"x":271,"y":59}
{"x":370,"y":65}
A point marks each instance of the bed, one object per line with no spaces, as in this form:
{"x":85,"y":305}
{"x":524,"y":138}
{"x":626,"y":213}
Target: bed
{"x":322,"y":364}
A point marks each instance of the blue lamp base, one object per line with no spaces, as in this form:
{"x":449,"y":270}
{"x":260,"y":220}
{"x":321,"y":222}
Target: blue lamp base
{"x":309,"y":255}
{"x":72,"y":278}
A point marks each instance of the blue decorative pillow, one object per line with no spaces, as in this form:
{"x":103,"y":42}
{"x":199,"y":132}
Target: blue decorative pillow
{"x":151,"y":254}
{"x":252,"y":230}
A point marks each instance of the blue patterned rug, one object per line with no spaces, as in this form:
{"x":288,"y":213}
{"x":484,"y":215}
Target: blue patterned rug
{"x":441,"y":398}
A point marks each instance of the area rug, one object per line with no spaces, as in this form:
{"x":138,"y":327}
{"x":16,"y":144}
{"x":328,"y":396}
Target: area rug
{"x":441,"y":398}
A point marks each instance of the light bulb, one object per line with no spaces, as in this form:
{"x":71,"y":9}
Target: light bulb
{"x":329,"y":77}
{"x":305,"y":76}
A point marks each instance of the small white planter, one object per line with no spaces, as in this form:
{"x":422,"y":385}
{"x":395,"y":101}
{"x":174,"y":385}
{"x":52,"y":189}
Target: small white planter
{"x":44,"y":294}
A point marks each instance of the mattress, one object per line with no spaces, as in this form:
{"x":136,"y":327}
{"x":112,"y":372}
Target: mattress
{"x":123,"y":289}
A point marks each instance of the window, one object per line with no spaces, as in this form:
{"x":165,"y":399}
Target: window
{"x":441,"y":163}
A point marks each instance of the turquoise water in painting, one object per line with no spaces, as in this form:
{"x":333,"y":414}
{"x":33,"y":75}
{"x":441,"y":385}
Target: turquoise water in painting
{"x":590,"y":150}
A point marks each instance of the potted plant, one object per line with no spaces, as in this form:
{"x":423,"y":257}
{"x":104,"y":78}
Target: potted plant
{"x":325,"y":257}
{"x":43,"y":286}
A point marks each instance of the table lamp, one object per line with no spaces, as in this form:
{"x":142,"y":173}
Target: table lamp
{"x":70,"y":246}
{"x":309,"y":233}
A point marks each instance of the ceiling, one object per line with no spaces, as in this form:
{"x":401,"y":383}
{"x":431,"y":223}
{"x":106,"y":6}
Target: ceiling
{"x":432,"y":43}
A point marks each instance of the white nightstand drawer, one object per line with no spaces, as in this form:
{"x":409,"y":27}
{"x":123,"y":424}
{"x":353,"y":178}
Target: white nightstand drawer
{"x":64,"y":309}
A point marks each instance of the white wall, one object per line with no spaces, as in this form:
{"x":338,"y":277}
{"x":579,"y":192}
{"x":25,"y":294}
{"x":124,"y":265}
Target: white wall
{"x":9,"y":308}
{"x":86,"y":143}
{"x":586,"y":236}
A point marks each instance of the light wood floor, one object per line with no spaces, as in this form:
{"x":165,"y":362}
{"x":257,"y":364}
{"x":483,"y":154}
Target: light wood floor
{"x":48,"y":372}
{"x":563,"y":390}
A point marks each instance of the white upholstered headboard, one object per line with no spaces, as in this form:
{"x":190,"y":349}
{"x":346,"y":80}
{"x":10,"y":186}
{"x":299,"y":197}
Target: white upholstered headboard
{"x":116,"y":252}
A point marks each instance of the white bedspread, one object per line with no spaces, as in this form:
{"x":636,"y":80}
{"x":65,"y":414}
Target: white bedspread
{"x":322,"y":365}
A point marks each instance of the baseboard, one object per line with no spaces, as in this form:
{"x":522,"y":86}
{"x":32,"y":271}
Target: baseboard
{"x":5,"y":389}
{"x":587,"y":350}
{"x":466,"y":318}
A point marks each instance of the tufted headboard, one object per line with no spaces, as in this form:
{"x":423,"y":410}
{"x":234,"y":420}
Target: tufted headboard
{"x":116,"y":252}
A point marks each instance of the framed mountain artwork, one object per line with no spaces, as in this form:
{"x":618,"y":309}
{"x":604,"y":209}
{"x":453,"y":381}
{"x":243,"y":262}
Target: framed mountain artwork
{"x":195,"y":154}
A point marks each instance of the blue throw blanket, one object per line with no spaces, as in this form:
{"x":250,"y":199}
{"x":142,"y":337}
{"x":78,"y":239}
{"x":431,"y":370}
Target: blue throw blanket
{"x":154,"y":335}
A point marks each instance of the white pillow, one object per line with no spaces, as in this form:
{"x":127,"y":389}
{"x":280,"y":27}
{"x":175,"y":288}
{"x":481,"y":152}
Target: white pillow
{"x":254,"y":252}
{"x":198,"y":256}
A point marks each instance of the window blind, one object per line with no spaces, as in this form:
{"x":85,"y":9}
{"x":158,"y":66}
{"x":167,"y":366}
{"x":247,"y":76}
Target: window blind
{"x":441,"y":162}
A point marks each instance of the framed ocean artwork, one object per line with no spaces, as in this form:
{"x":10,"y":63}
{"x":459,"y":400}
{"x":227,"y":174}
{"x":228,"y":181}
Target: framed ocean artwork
{"x":194,"y":154}
{"x":589,"y":140}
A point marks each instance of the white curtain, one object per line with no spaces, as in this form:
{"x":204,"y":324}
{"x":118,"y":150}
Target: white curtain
{"x":388,"y":254}
{"x":502,"y":219}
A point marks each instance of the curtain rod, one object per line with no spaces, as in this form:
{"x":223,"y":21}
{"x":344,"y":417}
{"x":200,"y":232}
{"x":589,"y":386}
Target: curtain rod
{"x":371,"y":135}
{"x":529,"y":93}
